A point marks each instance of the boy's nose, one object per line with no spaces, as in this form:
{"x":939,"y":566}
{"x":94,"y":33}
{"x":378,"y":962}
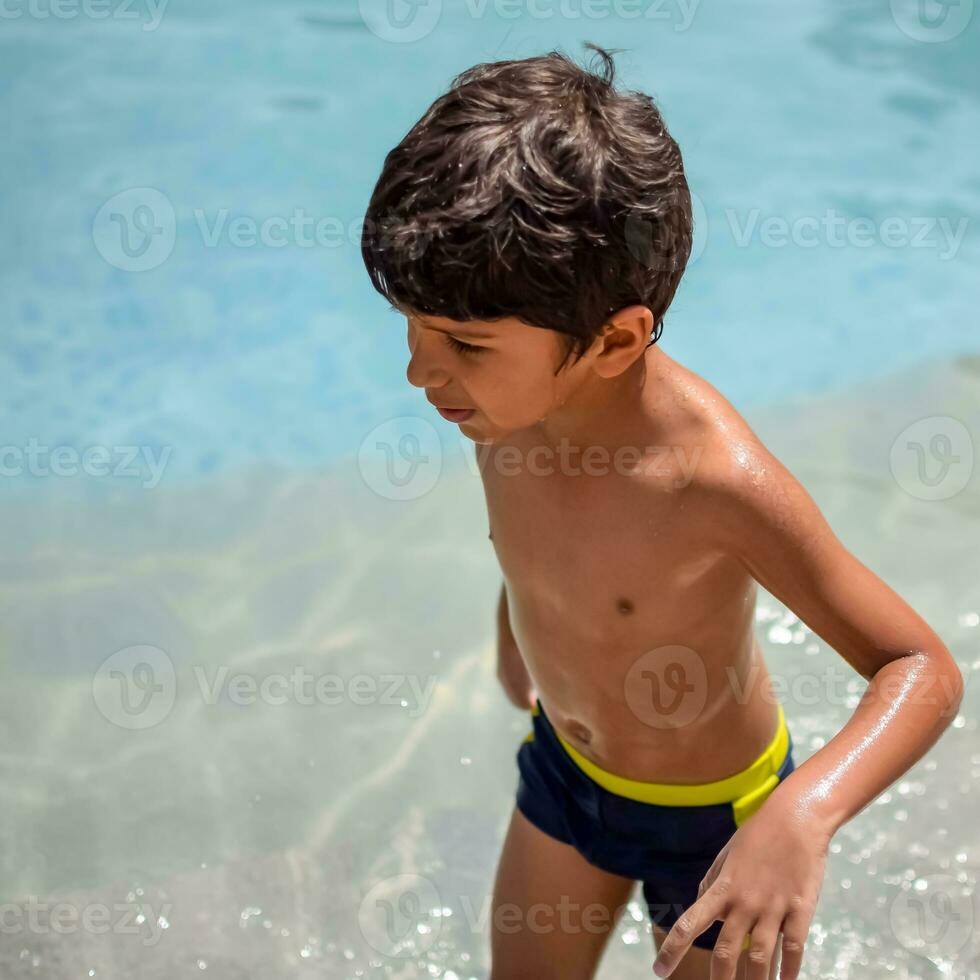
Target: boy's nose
{"x":423,"y":370}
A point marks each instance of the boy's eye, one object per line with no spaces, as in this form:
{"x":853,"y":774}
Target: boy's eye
{"x":462,"y":347}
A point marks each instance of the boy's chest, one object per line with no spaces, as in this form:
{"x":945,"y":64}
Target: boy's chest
{"x":612,"y":539}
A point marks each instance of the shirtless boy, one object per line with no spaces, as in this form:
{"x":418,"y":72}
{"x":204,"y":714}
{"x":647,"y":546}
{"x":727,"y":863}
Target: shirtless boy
{"x":533,"y":227}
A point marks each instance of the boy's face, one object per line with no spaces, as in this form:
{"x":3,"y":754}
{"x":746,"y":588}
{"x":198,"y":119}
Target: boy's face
{"x":505,"y":372}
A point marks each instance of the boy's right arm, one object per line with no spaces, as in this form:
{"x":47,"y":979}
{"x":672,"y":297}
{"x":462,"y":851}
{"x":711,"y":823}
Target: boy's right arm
{"x":511,"y":672}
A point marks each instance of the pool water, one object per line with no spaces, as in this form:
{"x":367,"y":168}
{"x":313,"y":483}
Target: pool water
{"x":169,"y":762}
{"x":833,"y":160}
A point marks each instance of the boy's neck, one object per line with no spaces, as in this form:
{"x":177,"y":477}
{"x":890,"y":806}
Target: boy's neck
{"x":605,"y":412}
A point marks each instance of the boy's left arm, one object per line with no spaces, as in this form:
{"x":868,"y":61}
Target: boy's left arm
{"x":767,"y":878}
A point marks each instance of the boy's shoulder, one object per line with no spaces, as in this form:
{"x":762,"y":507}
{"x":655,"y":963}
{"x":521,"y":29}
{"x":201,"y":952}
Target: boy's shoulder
{"x":704,"y":430}
{"x":737,"y":488}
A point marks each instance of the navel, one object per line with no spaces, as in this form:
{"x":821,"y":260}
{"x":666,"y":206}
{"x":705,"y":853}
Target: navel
{"x":577,"y":730}
{"x":624,"y":606}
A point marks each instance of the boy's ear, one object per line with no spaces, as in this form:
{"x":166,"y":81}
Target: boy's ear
{"x":625,"y":336}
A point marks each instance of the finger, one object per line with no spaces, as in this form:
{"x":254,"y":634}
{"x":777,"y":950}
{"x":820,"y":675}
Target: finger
{"x":732,"y":939}
{"x":762,"y":947}
{"x":695,"y":919}
{"x":709,"y":878}
{"x":796,"y":928}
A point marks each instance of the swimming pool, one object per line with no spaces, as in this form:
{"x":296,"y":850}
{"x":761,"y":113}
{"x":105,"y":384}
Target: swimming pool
{"x":221,"y":812}
{"x":832,"y":157}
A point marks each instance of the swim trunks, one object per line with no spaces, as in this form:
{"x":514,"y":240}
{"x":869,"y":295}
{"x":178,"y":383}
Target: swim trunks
{"x":666,"y":835}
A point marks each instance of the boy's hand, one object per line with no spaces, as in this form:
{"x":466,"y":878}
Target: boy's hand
{"x":513,"y":675}
{"x":766,"y":880}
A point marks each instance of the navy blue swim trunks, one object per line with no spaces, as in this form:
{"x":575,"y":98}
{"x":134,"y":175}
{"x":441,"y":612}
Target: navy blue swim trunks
{"x":665,"y":835}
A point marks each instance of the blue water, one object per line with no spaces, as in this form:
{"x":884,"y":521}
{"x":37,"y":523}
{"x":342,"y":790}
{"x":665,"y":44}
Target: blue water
{"x":235,"y":353}
{"x":256,"y":832}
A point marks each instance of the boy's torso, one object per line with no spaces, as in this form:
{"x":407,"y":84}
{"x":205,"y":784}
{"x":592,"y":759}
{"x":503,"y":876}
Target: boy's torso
{"x":636,"y":628}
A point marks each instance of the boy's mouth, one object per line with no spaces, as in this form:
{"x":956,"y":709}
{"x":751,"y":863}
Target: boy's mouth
{"x":455,"y":414}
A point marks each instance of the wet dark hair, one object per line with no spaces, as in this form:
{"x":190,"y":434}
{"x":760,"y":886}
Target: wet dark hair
{"x":532,"y":188}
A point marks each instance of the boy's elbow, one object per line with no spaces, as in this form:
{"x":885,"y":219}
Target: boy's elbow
{"x":951,"y":679}
{"x":960,"y":684}
{"x":937,"y":674}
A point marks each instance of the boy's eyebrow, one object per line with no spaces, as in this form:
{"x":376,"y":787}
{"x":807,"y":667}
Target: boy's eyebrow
{"x":462,"y":331}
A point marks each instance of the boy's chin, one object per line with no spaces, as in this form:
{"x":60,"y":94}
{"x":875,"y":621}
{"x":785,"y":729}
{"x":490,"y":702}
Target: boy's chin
{"x":480,"y":436}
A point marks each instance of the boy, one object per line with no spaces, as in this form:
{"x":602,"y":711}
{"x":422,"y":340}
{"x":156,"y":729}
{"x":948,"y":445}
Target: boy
{"x":536,"y":215}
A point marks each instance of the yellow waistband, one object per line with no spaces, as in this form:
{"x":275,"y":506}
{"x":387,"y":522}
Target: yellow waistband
{"x":746,"y":789}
